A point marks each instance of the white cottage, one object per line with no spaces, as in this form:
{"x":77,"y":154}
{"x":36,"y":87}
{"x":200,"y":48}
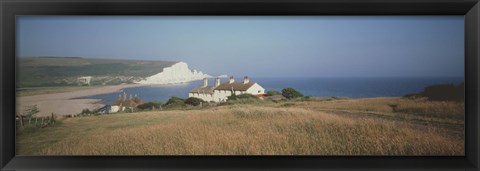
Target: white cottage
{"x":220,"y":91}
{"x":84,"y":80}
{"x":204,"y":92}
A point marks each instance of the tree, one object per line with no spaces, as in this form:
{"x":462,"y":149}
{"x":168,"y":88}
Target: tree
{"x":441,"y":92}
{"x":232,"y":97}
{"x":86,"y":111}
{"x":291,"y":93}
{"x":29,"y":112}
{"x":128,"y":110}
{"x":174,"y":100}
{"x":193,"y":101}
{"x":273,"y":92}
{"x":149,"y":106}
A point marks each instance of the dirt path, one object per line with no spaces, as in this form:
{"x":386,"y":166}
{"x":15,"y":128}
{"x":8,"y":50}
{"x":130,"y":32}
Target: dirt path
{"x":66,"y":103}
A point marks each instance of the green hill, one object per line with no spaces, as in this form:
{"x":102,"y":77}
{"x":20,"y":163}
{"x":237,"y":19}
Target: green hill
{"x":64,"y":71}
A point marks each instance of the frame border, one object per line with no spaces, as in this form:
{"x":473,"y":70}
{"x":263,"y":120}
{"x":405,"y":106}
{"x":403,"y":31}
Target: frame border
{"x":9,"y":9}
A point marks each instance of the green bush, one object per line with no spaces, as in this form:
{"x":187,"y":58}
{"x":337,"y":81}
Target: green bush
{"x":193,"y":101}
{"x":241,"y":96}
{"x":309,"y":98}
{"x":246,"y":96}
{"x":232,"y":97}
{"x":245,"y":99}
{"x":445,"y":92}
{"x":128,"y":110}
{"x":174,"y":101}
{"x":291,"y":93}
{"x":249,"y":101}
{"x":86,"y":111}
{"x":273,"y":92}
{"x":149,"y":106}
{"x":441,"y":92}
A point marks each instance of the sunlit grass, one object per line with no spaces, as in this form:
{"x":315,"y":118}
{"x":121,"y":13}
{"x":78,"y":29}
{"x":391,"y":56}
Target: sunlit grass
{"x":243,"y":129}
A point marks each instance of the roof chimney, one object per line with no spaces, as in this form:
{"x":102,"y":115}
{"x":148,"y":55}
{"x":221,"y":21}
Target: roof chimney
{"x":217,"y":82}
{"x":245,"y":80}
{"x":205,"y":82}
{"x":231,"y":79}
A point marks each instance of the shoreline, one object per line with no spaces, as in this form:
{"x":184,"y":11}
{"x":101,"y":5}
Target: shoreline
{"x":72,"y":102}
{"x":68,"y":103}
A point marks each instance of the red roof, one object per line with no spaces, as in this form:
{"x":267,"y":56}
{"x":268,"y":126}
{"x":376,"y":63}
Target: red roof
{"x":236,"y":86}
{"x":203,"y":90}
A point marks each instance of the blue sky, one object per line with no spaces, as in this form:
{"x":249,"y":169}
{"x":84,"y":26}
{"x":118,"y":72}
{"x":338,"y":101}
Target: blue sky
{"x":259,"y":46}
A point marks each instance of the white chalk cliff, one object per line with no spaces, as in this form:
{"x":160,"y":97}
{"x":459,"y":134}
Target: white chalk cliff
{"x":177,"y":73}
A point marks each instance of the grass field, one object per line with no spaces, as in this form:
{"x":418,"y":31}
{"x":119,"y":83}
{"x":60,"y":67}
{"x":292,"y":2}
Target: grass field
{"x":319,"y":127}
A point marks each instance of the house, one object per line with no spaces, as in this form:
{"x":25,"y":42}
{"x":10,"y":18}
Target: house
{"x":205,"y":92}
{"x":219,"y":92}
{"x":123,"y":102}
{"x":84,"y":80}
{"x":108,"y":109}
{"x":126,"y":101}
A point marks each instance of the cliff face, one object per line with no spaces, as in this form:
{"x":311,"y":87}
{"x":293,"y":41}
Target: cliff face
{"x":177,"y":73}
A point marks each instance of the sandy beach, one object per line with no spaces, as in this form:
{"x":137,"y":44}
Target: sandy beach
{"x":66,"y":103}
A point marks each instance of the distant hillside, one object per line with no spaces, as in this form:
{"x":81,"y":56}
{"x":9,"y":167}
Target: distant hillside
{"x":442,"y":92}
{"x":64,"y":71}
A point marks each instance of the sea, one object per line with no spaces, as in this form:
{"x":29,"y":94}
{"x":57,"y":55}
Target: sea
{"x":320,"y":87}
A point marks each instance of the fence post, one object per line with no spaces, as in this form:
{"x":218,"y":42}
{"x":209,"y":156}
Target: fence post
{"x":21,"y":120}
{"x":53,"y":118}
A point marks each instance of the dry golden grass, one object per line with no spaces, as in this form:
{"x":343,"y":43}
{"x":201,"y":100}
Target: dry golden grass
{"x":415,"y":109}
{"x":242,"y":130}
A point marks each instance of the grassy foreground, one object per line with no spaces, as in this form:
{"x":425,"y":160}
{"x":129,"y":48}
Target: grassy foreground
{"x":325,"y":127}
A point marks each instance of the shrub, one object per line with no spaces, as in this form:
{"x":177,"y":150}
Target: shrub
{"x":273,"y":92}
{"x":291,"y":93}
{"x":232,"y":97}
{"x":128,"y":110}
{"x":309,"y":98}
{"x":29,"y":112}
{"x":241,"y":96}
{"x":412,"y":96}
{"x":444,"y":92}
{"x":86,"y":111}
{"x":246,"y":96}
{"x":174,"y":100}
{"x":193,"y":101}
{"x":249,"y":101}
{"x":393,"y":106}
{"x":441,"y":92}
{"x":149,"y":106}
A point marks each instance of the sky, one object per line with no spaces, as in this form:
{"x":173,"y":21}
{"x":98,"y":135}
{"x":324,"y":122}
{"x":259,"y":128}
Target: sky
{"x":259,"y":46}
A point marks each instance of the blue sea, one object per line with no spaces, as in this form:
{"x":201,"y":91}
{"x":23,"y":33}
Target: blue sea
{"x":322,"y":87}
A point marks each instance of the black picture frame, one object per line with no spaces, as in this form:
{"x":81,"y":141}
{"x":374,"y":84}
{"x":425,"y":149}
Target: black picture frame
{"x":9,"y":9}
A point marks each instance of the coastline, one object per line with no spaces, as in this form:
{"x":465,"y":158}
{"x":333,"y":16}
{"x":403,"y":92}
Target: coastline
{"x":68,"y":103}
